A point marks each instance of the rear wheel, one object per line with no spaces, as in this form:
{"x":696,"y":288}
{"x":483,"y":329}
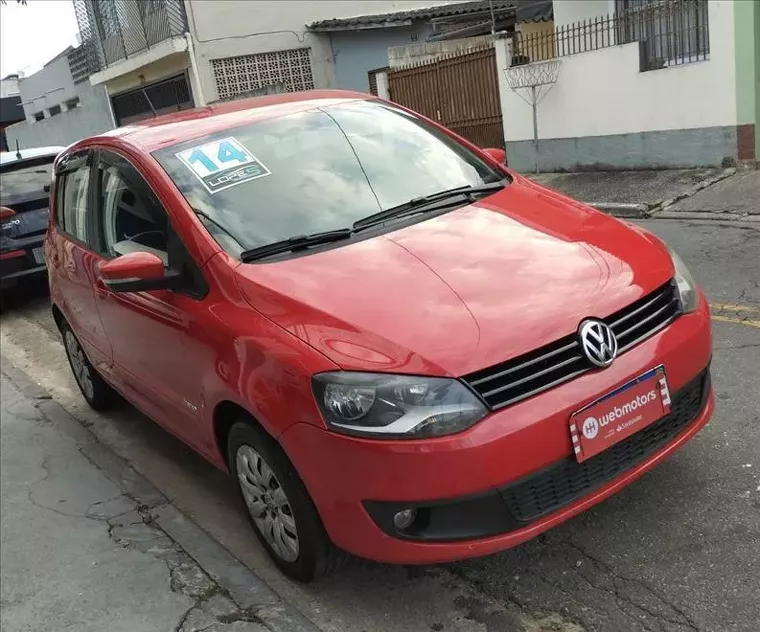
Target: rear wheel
{"x":283,"y":515}
{"x":98,"y":393}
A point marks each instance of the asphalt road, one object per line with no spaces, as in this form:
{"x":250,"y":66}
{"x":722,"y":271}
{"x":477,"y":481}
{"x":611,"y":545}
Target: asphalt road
{"x":677,"y":550}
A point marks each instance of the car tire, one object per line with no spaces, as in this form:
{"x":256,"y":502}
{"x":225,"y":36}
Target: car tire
{"x":280,"y":509}
{"x":97,"y":392}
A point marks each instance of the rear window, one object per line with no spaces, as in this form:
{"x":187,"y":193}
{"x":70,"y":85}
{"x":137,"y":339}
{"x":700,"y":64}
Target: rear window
{"x":26,"y":181}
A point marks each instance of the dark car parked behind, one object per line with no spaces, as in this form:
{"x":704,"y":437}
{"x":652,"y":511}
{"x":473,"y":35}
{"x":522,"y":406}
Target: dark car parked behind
{"x":24,"y":191}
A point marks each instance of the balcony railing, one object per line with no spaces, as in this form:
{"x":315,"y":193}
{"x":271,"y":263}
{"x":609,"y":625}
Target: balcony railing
{"x":669,"y":32}
{"x":114,"y":30}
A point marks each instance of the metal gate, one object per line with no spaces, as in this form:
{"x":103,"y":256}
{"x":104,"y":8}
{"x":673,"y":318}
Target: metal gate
{"x":162,"y":97}
{"x":460,"y":92}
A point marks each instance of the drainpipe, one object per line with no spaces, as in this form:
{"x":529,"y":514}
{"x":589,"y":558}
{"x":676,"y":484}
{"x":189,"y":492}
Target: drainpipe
{"x":195,"y":78}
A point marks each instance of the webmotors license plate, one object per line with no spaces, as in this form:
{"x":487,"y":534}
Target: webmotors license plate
{"x":620,"y":414}
{"x":39,"y":255}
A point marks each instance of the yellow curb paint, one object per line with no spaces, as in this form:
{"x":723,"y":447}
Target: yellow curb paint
{"x":738,"y":321}
{"x":728,"y":307}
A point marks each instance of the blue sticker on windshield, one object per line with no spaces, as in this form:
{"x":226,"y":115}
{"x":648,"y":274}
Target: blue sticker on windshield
{"x":222,"y":164}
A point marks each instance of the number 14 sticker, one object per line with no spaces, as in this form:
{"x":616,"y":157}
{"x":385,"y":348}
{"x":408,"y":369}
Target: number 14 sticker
{"x":222,"y":164}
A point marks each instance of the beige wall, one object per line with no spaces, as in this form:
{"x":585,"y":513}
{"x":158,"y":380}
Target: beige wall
{"x":540,"y":36}
{"x":569,"y":11}
{"x":531,"y":28}
{"x":399,"y":56}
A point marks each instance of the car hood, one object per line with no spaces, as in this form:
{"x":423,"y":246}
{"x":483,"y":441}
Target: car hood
{"x":463,"y":290}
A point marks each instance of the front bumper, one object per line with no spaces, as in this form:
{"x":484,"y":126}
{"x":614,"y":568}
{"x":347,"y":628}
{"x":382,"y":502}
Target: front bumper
{"x":523,"y":502}
{"x":357,"y":483}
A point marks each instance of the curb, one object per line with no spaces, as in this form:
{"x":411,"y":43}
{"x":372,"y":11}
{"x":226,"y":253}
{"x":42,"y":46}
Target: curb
{"x":709,"y":216}
{"x":246,"y":589}
{"x":623,"y":209}
{"x":663,"y":205}
{"x":643,"y":210}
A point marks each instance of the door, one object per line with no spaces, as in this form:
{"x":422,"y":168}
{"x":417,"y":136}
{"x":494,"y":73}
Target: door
{"x":459,"y":92}
{"x":72,"y":261}
{"x":146,"y":329}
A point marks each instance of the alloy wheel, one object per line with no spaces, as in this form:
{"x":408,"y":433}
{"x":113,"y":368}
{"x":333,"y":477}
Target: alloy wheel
{"x":79,"y":365}
{"x":267,"y":503}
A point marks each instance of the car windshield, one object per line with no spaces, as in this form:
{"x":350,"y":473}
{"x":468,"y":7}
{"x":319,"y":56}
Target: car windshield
{"x":316,"y":170}
{"x":25,"y":181}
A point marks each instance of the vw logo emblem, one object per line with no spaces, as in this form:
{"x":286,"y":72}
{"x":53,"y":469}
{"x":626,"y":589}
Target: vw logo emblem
{"x":598,"y":342}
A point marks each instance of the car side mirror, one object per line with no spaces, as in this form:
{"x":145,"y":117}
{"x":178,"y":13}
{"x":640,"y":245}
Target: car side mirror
{"x":499,"y":155}
{"x":139,"y":272}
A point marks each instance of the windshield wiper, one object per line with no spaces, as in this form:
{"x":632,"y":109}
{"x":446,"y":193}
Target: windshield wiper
{"x":215,"y":222}
{"x":299,"y":242}
{"x":415,"y":205}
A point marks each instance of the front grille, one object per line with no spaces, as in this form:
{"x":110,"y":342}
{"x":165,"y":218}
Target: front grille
{"x":645,"y":317}
{"x":560,"y":484}
{"x":562,"y":360}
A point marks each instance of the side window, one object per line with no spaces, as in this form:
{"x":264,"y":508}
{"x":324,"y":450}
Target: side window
{"x":131,"y":217}
{"x":72,"y":202}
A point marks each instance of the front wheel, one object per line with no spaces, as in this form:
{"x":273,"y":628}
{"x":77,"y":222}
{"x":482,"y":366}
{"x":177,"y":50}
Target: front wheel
{"x":283,"y":515}
{"x":97,"y":392}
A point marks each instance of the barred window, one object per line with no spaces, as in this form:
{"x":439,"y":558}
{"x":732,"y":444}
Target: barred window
{"x":674,"y":31}
{"x":245,"y":73}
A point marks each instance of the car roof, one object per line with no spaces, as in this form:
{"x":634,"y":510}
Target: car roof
{"x":9,"y":157}
{"x":163,"y":131}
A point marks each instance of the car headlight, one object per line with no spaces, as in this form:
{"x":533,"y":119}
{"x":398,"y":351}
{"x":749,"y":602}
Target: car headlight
{"x":687,"y":286}
{"x":395,"y":406}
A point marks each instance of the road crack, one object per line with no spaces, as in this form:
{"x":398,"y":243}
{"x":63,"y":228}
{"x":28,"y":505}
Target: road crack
{"x":528,"y":615}
{"x":45,"y":465}
{"x":682,"y":618}
{"x":183,"y":619}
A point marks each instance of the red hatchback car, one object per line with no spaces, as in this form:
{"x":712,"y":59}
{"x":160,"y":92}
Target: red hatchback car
{"x":398,"y":347}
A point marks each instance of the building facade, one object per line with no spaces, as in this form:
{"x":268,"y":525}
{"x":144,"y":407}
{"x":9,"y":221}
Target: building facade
{"x":166,"y":55}
{"x":10,"y":107}
{"x":637,"y":84}
{"x":362,"y":45}
{"x":60,"y":106}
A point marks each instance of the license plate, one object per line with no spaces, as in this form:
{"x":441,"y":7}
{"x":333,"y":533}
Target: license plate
{"x":620,"y":414}
{"x":39,"y":255}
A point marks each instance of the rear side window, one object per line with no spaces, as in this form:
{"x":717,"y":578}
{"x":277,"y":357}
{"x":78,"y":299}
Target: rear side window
{"x":72,"y":202}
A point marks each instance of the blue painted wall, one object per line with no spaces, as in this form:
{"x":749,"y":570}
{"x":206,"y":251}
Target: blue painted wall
{"x":358,"y":52}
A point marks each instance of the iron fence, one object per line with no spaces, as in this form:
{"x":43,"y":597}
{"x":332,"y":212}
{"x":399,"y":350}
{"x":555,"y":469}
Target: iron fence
{"x":113,"y":30}
{"x":669,"y":32}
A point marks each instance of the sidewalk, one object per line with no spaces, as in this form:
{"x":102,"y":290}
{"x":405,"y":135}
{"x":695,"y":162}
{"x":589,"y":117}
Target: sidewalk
{"x":84,"y":550}
{"x":737,"y":195}
{"x":638,"y":193}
